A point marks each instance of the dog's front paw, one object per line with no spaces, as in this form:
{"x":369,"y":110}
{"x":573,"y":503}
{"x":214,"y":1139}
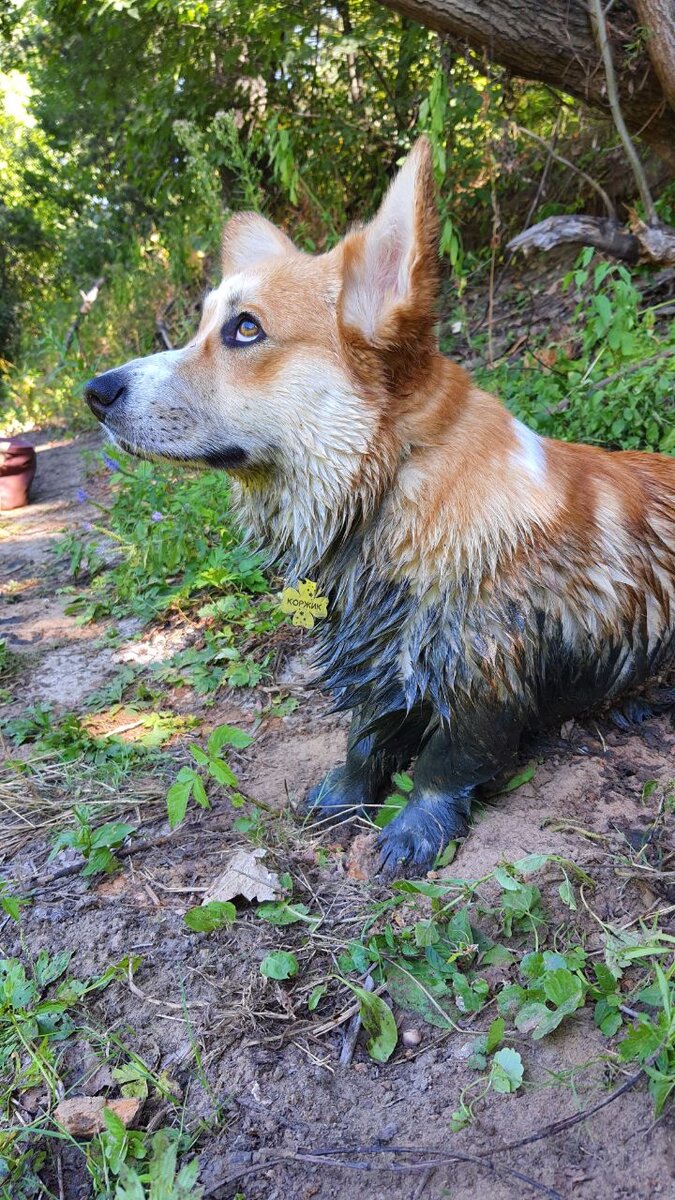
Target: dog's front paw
{"x":411,"y":843}
{"x":338,"y":796}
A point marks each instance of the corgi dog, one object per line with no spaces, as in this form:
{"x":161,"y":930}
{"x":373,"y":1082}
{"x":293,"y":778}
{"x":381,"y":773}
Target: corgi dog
{"x":483,"y":581}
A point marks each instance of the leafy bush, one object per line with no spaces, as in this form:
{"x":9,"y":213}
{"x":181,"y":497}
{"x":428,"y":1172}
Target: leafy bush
{"x":607,"y":390}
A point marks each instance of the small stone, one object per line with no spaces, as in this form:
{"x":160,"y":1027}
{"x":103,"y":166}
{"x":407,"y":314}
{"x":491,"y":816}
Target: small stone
{"x":387,"y":1133}
{"x":82,"y":1116}
{"x":411,"y":1037}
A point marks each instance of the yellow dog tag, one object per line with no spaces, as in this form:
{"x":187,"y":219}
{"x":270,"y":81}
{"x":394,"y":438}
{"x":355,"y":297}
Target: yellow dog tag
{"x":305,"y":605}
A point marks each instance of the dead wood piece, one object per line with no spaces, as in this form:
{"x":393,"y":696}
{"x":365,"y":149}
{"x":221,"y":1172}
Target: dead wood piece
{"x":657,"y":243}
{"x":602,"y":232}
{"x":352,"y":1032}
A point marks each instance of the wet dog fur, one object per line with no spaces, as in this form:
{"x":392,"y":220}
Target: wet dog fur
{"x":483,"y":581}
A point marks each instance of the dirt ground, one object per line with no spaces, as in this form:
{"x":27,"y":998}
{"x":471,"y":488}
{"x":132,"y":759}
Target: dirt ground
{"x":267,"y":1066}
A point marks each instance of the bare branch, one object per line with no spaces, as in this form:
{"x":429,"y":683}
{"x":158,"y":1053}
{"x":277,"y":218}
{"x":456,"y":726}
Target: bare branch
{"x":600,"y":31}
{"x":611,"y":211}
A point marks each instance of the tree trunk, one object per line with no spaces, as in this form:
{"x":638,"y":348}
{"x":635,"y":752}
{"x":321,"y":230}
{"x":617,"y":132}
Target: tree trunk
{"x":552,"y":41}
{"x":657,"y":18}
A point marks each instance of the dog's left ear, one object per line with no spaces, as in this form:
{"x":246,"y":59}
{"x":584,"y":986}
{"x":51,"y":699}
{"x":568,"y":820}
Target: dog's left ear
{"x":390,"y":272}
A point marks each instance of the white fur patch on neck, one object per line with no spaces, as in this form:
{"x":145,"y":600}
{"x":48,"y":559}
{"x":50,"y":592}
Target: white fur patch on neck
{"x":530,"y":453}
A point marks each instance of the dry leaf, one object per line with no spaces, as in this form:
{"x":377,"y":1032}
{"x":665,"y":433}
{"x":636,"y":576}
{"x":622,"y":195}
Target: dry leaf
{"x":362,"y":857}
{"x":246,"y":875}
{"x":98,"y":1081}
{"x":82,"y":1116}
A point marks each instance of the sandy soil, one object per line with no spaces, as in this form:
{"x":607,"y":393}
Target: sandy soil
{"x":268,"y":1067}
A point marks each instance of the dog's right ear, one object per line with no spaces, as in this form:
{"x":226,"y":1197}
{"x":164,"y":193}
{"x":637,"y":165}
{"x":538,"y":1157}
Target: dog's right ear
{"x":249,"y":238}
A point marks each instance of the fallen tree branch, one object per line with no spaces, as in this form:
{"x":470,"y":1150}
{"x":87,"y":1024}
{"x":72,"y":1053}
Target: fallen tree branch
{"x":338,"y":1158}
{"x":579,"y":230}
{"x":643,"y":243}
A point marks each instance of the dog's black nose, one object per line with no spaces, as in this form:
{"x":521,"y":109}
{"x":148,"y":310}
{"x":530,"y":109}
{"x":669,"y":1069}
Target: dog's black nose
{"x":104,"y":391}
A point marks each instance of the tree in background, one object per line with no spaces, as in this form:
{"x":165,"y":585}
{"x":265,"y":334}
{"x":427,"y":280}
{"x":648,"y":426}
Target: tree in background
{"x":145,"y":121}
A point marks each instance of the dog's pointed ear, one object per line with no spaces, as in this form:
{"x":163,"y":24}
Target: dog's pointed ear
{"x":248,"y":238}
{"x":390,"y":268}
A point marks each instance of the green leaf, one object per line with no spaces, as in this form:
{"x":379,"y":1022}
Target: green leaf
{"x":101,"y":860}
{"x":112,"y":834}
{"x":497,"y":956}
{"x":279,"y":965}
{"x":530,"y":863}
{"x":11,"y":905}
{"x":378,"y":1022}
{"x":403,"y":782}
{"x":660,"y":1087}
{"x":222,"y":773}
{"x":566,"y":893}
{"x":132,"y":1080}
{"x":606,"y":980}
{"x":47,"y":970}
{"x":426,"y":933}
{"x":495,"y":1035}
{"x":227,"y":735}
{"x":447,"y":855}
{"x":177,"y":799}
{"x":391,"y":807}
{"x":204,"y":918}
{"x":422,"y":888}
{"x":505,"y":880}
{"x":316,"y":995}
{"x":199,"y":793}
{"x":511,"y":997}
{"x":282,"y":912}
{"x":532,"y":965}
{"x":506,"y":1074}
{"x":607,"y":1017}
{"x":562,"y":987}
{"x":198,"y":754}
{"x":523,"y":776}
{"x":530,"y":1016}
{"x":417,"y":987}
{"x":641,"y":1042}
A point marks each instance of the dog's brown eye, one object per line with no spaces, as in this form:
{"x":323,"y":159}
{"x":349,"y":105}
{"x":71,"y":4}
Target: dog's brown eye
{"x":242,"y":330}
{"x":247,"y":330}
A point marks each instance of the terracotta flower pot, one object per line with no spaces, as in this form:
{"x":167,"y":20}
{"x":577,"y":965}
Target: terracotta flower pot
{"x":17,"y":469}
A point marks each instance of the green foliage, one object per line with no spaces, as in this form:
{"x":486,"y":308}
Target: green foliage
{"x":10,"y":903}
{"x":95,"y":845}
{"x":280,"y":964}
{"x":592,"y":392}
{"x":69,"y":740}
{"x":162,"y":1180}
{"x":173,"y":540}
{"x":189,"y":781}
{"x":378,"y":1022}
{"x":436,"y":967}
{"x":204,"y":918}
